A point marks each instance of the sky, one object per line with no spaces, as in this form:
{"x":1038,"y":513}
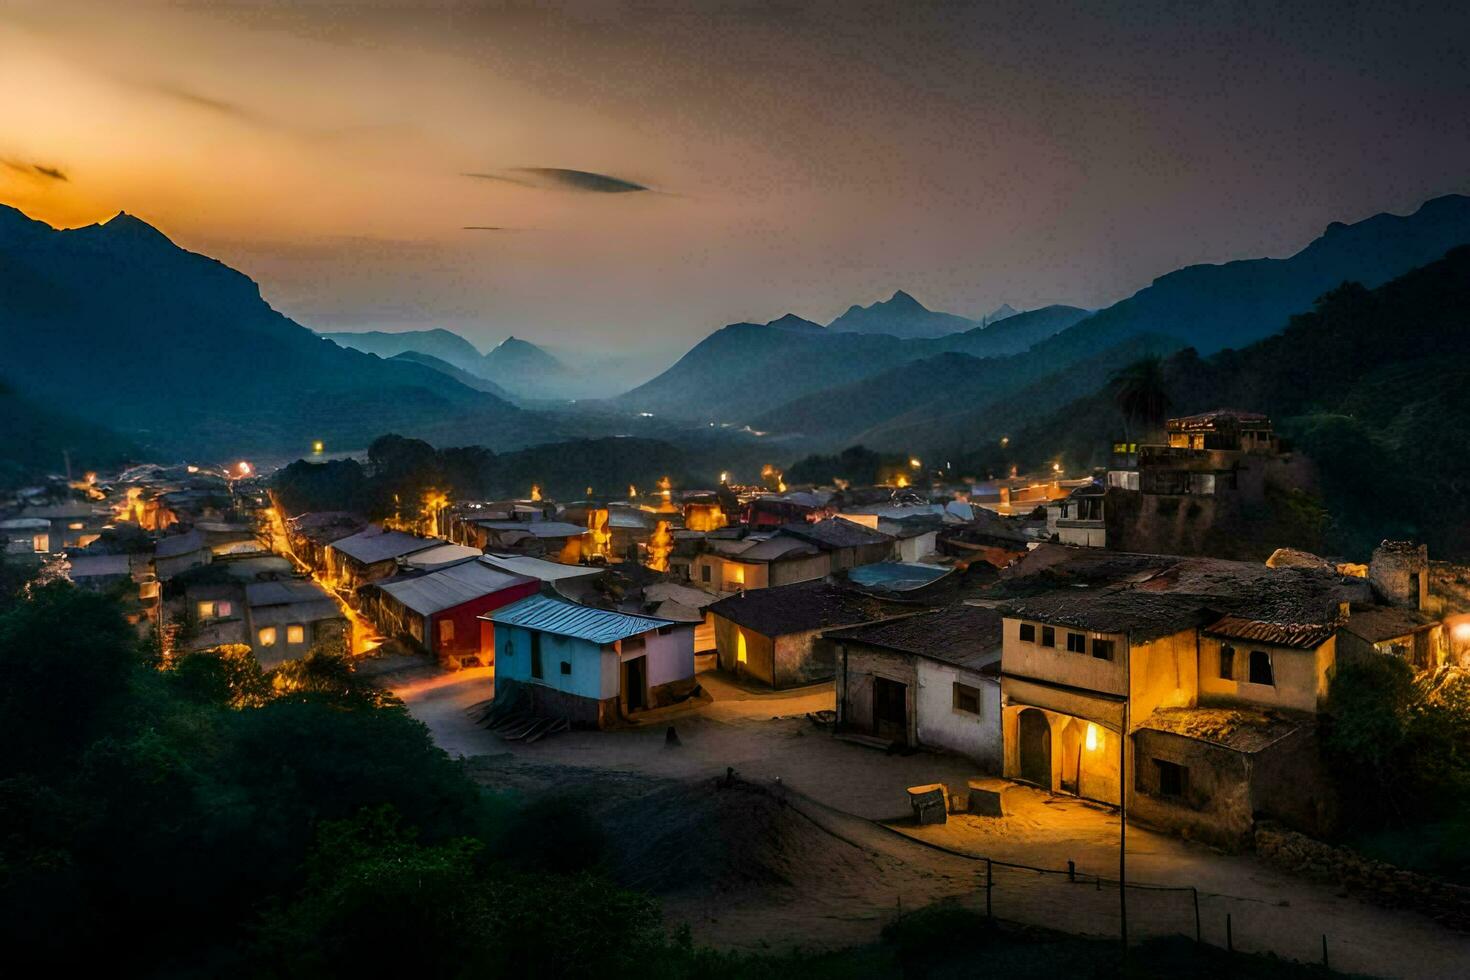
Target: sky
{"x":631,"y":175}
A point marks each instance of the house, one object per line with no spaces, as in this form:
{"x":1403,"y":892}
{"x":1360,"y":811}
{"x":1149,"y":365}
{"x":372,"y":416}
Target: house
{"x":772,"y":510}
{"x":758,"y":562}
{"x":849,"y":544}
{"x":74,"y":524}
{"x":590,"y":666}
{"x":443,"y":556}
{"x":26,"y":535}
{"x":100,"y":573}
{"x":1078,"y":517}
{"x":681,"y":603}
{"x":1395,"y":631}
{"x":540,"y":538}
{"x":441,"y":609}
{"x":309,"y":534}
{"x":285,"y":619}
{"x":929,"y":678}
{"x":1223,"y":428}
{"x":371,"y":555}
{"x":177,"y":553}
{"x":774,"y":636}
{"x":1108,"y":662}
{"x":549,"y":572}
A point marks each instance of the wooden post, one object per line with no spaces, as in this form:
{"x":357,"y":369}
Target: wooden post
{"x":1197,"y":937}
{"x":989,"y":886}
{"x":1071,"y":870}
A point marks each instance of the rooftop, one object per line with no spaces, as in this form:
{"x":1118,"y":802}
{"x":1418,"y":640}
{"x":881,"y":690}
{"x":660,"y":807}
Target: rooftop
{"x":800,"y":607}
{"x":549,"y":614}
{"x":1379,"y":623}
{"x":538,"y":568}
{"x":98,"y":566}
{"x":1241,"y":729}
{"x":451,"y":586}
{"x":375,"y":544}
{"x":284,"y":592}
{"x":896,"y":576}
{"x":967,"y":636}
{"x":834,"y":532}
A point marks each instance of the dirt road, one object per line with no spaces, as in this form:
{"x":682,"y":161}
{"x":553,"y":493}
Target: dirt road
{"x":852,"y":877}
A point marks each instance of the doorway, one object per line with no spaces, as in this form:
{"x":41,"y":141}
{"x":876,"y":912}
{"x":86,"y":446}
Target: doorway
{"x":635,"y":681}
{"x":1035,"y":748}
{"x":890,"y":710}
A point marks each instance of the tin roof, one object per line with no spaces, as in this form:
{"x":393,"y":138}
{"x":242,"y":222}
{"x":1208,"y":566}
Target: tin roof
{"x":1378,"y":623}
{"x":967,"y":636}
{"x":538,"y":568}
{"x":375,"y":544}
{"x":548,"y":614}
{"x":452,"y":586}
{"x":896,"y":576}
{"x":1301,"y":636}
{"x":94,"y":566}
{"x":284,"y":592}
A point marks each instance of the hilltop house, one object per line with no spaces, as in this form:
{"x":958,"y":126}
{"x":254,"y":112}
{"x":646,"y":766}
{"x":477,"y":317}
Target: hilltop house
{"x":309,"y":534}
{"x":590,"y":666}
{"x":441,"y":610}
{"x":286,"y":619}
{"x":793,"y":553}
{"x":539,"y":538}
{"x":927,"y":678}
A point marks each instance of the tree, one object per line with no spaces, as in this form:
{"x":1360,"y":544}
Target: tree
{"x":1140,"y":392}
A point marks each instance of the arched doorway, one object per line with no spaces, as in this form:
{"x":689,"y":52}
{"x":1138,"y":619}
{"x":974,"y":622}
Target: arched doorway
{"x":1035,"y":748}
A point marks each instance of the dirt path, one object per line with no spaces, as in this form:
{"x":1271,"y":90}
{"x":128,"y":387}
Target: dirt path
{"x":859,"y":873}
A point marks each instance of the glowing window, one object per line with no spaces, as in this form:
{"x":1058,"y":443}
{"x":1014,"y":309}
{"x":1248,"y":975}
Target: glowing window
{"x":295,"y":634}
{"x":76,"y":525}
{"x":267,"y":636}
{"x":1028,"y":633}
{"x":740,"y":654}
{"x":446,"y":631}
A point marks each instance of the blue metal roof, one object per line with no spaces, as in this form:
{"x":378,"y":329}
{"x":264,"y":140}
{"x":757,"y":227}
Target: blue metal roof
{"x":896,"y":575}
{"x":551,"y":615}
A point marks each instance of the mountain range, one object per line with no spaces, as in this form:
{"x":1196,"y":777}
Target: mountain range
{"x":517,"y":369}
{"x":179,"y":353}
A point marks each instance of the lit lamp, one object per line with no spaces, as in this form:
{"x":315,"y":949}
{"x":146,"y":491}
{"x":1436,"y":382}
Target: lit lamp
{"x":1091,"y":737}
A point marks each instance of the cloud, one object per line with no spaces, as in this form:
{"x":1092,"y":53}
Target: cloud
{"x":220,"y":107}
{"x":37,"y":170}
{"x":562,"y":178}
{"x":484,"y":228}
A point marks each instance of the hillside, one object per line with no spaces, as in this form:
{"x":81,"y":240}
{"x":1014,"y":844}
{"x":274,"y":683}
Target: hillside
{"x":180,"y":354}
{"x":36,"y":438}
{"x":449,"y":370}
{"x":445,"y":345}
{"x":1212,"y":307}
{"x":1370,"y":383}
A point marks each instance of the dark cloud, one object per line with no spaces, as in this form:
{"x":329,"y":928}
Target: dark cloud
{"x":209,"y":103}
{"x":484,"y":228}
{"x":37,"y":170}
{"x":561,"y":178}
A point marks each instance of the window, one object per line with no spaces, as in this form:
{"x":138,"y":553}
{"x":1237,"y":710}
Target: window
{"x":1102,"y":649}
{"x":1261,"y":672}
{"x":1227,"y":663}
{"x":296,"y":634}
{"x":566,"y":667}
{"x":1173,"y":778}
{"x":536,"y":655}
{"x":1048,"y":636}
{"x":704,"y":573}
{"x":966,"y":699}
{"x":1076,"y":643}
{"x":214,"y":609}
{"x":268,"y":636}
{"x":1028,"y":633}
{"x":665,"y":630}
{"x":446,"y":632}
{"x":76,"y":525}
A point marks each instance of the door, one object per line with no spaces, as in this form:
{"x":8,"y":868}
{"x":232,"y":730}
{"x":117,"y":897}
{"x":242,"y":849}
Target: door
{"x":635,"y":678}
{"x":1035,"y":748}
{"x":890,"y":710}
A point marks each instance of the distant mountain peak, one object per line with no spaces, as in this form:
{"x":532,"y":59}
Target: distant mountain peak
{"x":793,"y":322}
{"x":123,"y":226}
{"x":903,"y":300}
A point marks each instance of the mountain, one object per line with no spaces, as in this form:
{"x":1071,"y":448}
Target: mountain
{"x":1211,"y":307}
{"x":999,"y":313}
{"x":746,"y":371}
{"x":180,"y":354}
{"x":1370,"y":383}
{"x":445,"y":345}
{"x":36,"y":439}
{"x":900,"y":316}
{"x":449,"y":370}
{"x":527,"y":371}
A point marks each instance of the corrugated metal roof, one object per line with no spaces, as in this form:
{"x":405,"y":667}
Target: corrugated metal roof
{"x":1301,"y":636}
{"x":537,"y":529}
{"x":284,"y":593}
{"x":452,"y":586}
{"x":92,"y":566}
{"x":552,"y":615}
{"x":445,"y":554}
{"x":898,"y":576}
{"x":179,"y":544}
{"x":538,"y":568}
{"x":376,"y":544}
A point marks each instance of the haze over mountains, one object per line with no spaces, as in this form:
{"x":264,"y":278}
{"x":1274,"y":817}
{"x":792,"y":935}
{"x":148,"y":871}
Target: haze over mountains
{"x":113,"y":324}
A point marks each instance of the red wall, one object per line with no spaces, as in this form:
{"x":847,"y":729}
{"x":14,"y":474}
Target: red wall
{"x":468,"y":635}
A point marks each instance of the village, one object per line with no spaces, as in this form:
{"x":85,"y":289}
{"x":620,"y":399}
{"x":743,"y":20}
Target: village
{"x":1054,"y":673}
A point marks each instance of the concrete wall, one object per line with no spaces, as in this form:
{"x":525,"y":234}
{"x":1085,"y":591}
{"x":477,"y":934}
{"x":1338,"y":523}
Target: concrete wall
{"x":1086,"y":767}
{"x":1163,"y":673}
{"x":857,"y":666}
{"x":912,"y":549}
{"x":942,"y":725}
{"x":759,"y":652}
{"x":808,"y":568}
{"x":1301,"y":676}
{"x":1059,"y":666}
{"x":803,"y":658}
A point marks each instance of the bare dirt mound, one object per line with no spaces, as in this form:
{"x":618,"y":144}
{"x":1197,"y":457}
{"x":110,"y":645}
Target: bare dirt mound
{"x":713,"y":838}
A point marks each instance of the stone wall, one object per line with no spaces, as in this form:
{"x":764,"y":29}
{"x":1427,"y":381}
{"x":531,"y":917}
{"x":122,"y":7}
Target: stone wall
{"x":1377,"y":882}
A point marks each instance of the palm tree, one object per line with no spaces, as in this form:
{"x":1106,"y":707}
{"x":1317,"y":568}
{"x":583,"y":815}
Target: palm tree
{"x":1139,"y":390}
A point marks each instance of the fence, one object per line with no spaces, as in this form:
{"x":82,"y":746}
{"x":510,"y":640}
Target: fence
{"x":1083,"y":902}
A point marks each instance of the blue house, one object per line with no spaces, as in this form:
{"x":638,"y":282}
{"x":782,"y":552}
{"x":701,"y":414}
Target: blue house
{"x":590,"y":666}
